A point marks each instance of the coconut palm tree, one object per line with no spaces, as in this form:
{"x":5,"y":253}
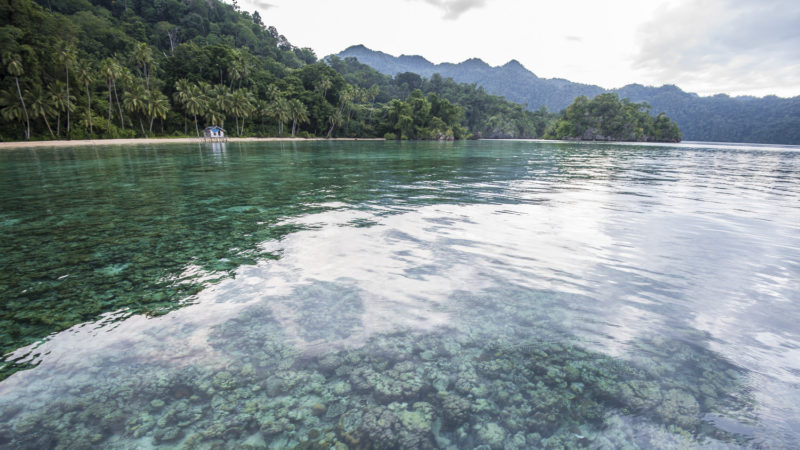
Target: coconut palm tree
{"x":323,"y":84}
{"x":12,"y":108}
{"x":196,"y":103}
{"x":242,"y":105}
{"x":372,"y":92}
{"x":136,"y":100}
{"x":41,"y":106}
{"x":220,"y":103}
{"x":157,"y":106}
{"x":15,"y":69}
{"x":335,"y":119}
{"x":299,"y":114}
{"x":85,"y":76}
{"x":110,"y":70}
{"x":279,"y":110}
{"x":238,"y":68}
{"x":180,"y":96}
{"x":66,"y":56}
{"x":143,"y":58}
{"x":59,"y":101}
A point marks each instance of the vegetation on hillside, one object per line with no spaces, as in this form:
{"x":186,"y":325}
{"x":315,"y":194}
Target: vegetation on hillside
{"x":718,"y":118}
{"x":109,"y":68}
{"x":607,"y":118}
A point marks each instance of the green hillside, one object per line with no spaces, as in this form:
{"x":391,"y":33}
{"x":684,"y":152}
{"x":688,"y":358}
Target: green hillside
{"x":721,"y":118}
{"x":128,"y":68}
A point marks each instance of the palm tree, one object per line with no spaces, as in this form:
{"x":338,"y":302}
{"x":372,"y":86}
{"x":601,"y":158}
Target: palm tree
{"x":181,"y":95}
{"x":335,"y":119}
{"x":136,"y":101}
{"x":196,"y":103}
{"x":238,"y":69}
{"x":157,"y":106}
{"x":299,"y":114}
{"x":242,"y":106}
{"x":273,"y":92}
{"x":323,"y":84}
{"x":41,"y":106}
{"x":119,"y":72}
{"x":15,"y":69}
{"x":142,"y":57}
{"x":86,"y":77}
{"x":279,"y":110}
{"x":59,"y":101}
{"x":110,"y":69}
{"x":372,"y":92}
{"x":66,"y":55}
{"x":12,"y":108}
{"x":220,"y":102}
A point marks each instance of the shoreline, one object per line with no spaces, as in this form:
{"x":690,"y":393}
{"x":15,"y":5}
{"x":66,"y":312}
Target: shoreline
{"x":91,"y":142}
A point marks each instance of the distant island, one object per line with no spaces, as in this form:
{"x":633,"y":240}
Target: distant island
{"x":607,"y":118}
{"x":720,"y":118}
{"x":91,"y":69}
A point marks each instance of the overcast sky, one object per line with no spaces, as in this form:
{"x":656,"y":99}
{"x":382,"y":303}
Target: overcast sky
{"x":739,"y":47}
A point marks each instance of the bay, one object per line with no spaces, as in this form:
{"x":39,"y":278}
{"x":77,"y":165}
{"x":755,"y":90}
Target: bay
{"x":511,"y":294}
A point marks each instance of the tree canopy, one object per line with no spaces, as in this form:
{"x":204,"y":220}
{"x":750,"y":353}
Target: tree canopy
{"x":607,"y":118}
{"x":111,"y":68}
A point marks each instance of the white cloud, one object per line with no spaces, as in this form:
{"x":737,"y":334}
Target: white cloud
{"x":454,"y":8}
{"x":733,"y":46}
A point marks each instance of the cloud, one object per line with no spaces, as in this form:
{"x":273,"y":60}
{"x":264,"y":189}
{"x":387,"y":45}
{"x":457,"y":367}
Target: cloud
{"x":727,"y":45}
{"x":455,"y":8}
{"x":262,"y":5}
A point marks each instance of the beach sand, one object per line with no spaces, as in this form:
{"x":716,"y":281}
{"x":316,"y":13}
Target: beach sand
{"x":84,"y":142}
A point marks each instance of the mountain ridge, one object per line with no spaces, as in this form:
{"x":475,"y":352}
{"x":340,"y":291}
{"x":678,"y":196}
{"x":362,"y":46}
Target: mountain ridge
{"x":768,"y":119}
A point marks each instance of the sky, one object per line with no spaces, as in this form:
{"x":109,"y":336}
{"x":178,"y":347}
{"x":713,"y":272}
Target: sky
{"x":737,"y":47}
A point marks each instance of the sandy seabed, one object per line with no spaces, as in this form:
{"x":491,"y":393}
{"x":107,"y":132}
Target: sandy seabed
{"x":83,"y":142}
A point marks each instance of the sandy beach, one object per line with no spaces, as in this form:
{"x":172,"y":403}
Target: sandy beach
{"x":85,"y":142}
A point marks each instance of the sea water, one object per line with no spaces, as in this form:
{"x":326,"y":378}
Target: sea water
{"x":491,"y":294}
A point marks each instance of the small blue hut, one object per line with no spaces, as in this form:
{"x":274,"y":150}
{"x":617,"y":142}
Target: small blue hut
{"x":213,"y":133}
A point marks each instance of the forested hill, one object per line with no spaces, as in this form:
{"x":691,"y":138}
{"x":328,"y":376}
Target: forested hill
{"x":126,"y":68}
{"x":718,"y":118}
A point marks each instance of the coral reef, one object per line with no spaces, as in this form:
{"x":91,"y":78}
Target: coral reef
{"x":472,"y":387}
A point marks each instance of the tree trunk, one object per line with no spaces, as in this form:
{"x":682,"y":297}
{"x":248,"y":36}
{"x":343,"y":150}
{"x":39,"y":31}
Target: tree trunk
{"x":46,"y":122}
{"x":151,"y":123}
{"x":58,"y":124}
{"x":294,"y":127}
{"x":142,"y":126}
{"x":242,"y":127}
{"x":330,"y":132}
{"x":237,"y":126}
{"x":27,"y":121}
{"x":109,"y":107}
{"x":197,"y":130}
{"x":89,"y":110}
{"x":119,"y":106}
{"x":67,"y":101}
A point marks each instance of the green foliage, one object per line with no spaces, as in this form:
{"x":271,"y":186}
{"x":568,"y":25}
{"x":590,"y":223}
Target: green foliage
{"x":717,"y":118}
{"x":607,"y":118}
{"x":108,"y":69}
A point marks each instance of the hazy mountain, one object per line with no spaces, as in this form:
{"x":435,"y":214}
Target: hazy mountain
{"x":719,"y":118}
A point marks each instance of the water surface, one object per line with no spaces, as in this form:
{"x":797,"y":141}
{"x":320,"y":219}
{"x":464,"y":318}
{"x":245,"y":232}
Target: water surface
{"x":497,"y":294}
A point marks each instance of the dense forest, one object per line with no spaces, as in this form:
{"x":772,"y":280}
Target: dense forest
{"x":607,"y":118}
{"x":718,"y":118}
{"x":127,"y":68}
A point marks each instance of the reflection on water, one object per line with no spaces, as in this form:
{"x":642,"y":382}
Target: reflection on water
{"x":495,"y":294}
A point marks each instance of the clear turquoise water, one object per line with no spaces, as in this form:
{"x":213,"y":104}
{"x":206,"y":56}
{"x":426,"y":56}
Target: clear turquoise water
{"x":407,"y":295}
